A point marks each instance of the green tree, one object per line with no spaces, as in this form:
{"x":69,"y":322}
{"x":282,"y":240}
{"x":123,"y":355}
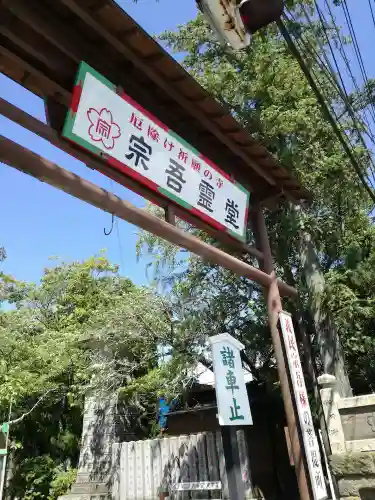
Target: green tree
{"x":265,"y":89}
{"x":83,"y":328}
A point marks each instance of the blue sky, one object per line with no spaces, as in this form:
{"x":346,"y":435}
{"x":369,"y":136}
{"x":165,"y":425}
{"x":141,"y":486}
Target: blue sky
{"x":38,"y":221}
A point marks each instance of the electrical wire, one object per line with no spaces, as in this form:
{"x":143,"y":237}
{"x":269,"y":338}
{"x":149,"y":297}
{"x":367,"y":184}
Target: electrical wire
{"x":372,"y":12}
{"x":329,"y":72}
{"x":115,"y":223}
{"x":333,"y":55}
{"x":342,"y":87}
{"x":357,"y":49}
{"x":341,"y":49}
{"x":325,"y":66}
{"x":362,"y":118}
{"x":343,"y":140}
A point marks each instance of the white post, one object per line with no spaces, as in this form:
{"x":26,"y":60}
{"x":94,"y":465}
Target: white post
{"x":4,"y":464}
{"x":329,"y":474}
{"x":330,"y":397}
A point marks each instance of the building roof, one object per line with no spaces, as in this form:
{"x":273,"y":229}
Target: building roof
{"x":206,"y":377}
{"x":42,"y":43}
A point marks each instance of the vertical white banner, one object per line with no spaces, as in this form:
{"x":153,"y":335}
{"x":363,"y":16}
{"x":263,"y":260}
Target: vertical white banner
{"x":231,"y":394}
{"x":303,"y":408}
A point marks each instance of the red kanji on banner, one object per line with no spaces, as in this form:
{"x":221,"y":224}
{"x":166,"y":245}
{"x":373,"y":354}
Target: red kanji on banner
{"x":102,"y":127}
{"x":219,"y":182}
{"x":182,"y":155}
{"x":195,"y":165}
{"x":288,"y":325}
{"x":153,"y":133}
{"x":208,"y":174}
{"x":136,"y":121}
{"x":292,"y":343}
{"x":168,"y":145}
{"x":299,"y":379}
{"x":296,"y":364}
{"x":303,"y":399}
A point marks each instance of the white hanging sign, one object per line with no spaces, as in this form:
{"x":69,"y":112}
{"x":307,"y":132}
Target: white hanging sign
{"x":231,"y":394}
{"x":303,"y":408}
{"x":110,"y":124}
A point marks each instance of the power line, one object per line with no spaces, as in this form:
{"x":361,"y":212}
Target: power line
{"x":333,"y":55}
{"x":293,"y":48}
{"x":341,"y":49}
{"x":357,"y":49}
{"x":357,"y":121}
{"x":343,"y":90}
{"x":372,"y":11}
{"x":324,"y":66}
{"x":330,"y":74}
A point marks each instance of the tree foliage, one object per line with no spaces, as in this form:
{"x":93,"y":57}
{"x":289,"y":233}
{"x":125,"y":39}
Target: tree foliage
{"x":83,"y":328}
{"x":267,"y":92}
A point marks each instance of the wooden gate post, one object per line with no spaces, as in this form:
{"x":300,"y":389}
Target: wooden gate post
{"x":274,"y":308}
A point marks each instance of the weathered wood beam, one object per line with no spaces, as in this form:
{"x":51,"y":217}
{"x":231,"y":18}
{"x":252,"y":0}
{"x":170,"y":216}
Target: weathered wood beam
{"x":56,"y":33}
{"x":78,"y":49}
{"x":17,"y":156}
{"x":21,"y":34}
{"x":154,"y":76}
{"x":42,"y":130}
{"x":46,"y":85}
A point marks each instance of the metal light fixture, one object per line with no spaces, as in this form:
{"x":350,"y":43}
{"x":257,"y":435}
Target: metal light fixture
{"x":226,"y":22}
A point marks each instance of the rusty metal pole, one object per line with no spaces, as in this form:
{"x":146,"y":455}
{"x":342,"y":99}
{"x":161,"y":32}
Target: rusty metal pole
{"x":18,"y":157}
{"x":274,"y":307}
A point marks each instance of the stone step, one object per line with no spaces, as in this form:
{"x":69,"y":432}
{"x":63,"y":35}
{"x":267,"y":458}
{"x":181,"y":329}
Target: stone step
{"x":89,"y":477}
{"x":78,"y":496}
{"x":90,"y":488}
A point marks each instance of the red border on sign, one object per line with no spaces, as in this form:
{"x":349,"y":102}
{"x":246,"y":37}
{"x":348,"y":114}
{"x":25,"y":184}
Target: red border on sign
{"x":149,"y":115}
{"x":129,"y":172}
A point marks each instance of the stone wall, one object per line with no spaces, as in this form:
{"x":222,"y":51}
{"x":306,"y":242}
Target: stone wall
{"x":351,"y":432}
{"x":350,"y":421}
{"x":355,"y":475}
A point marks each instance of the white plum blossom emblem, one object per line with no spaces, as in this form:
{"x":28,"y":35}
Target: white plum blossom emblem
{"x":103,"y":129}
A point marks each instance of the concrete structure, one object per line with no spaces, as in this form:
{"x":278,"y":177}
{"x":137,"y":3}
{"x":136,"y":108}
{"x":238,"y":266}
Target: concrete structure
{"x":351,"y":431}
{"x":101,"y":424}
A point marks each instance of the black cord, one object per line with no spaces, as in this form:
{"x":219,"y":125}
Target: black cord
{"x":357,"y":121}
{"x":293,"y":48}
{"x":110,"y":231}
{"x":357,"y":49}
{"x":343,"y":54}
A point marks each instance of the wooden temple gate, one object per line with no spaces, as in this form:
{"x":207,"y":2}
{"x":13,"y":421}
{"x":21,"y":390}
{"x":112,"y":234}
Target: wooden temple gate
{"x":41,"y":46}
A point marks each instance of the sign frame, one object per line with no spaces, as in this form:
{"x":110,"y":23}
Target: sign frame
{"x":310,"y":440}
{"x":123,"y":168}
{"x":229,"y":360}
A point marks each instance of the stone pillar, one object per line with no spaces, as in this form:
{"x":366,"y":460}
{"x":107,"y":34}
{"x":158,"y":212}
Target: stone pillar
{"x":330,"y":398}
{"x":96,"y":465}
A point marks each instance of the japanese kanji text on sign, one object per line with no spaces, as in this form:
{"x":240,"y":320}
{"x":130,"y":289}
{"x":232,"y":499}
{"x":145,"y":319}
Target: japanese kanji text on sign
{"x":231,"y":394}
{"x":303,"y":408}
{"x":113,"y":126}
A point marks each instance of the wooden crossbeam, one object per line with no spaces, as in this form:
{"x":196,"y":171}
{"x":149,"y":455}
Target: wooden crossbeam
{"x":26,"y":161}
{"x":154,"y":76}
{"x":42,"y":130}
